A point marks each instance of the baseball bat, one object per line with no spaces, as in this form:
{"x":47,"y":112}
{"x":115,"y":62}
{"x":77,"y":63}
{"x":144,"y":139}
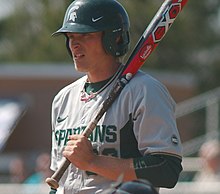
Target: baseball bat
{"x":147,"y":43}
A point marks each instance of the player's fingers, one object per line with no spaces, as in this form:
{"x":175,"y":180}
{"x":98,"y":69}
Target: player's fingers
{"x":70,"y":143}
{"x":75,"y":137}
{"x":71,"y":149}
{"x":71,"y":139}
{"x":67,"y":153}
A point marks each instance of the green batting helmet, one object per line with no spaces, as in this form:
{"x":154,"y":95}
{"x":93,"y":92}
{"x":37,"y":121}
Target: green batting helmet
{"x":136,"y":187}
{"x":139,"y":186}
{"x":109,"y":16}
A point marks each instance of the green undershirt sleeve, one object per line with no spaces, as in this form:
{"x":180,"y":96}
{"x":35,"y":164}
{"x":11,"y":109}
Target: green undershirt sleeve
{"x":161,"y":170}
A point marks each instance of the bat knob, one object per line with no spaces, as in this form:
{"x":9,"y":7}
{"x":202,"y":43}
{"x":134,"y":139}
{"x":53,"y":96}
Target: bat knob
{"x":52,"y":183}
{"x":129,"y":76}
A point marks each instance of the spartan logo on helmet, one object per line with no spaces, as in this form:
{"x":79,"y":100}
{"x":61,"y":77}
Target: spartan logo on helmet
{"x":72,"y":14}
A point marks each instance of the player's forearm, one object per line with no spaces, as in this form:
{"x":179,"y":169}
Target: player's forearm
{"x":112,"y":168}
{"x":160,"y":170}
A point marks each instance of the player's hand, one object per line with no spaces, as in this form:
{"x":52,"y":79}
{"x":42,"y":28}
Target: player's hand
{"x":79,"y":151}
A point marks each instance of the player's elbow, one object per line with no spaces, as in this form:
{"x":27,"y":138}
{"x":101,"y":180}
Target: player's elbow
{"x":172,"y":172}
{"x":169,"y":177}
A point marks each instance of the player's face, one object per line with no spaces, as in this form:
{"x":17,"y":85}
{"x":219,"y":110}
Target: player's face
{"x":87,"y":51}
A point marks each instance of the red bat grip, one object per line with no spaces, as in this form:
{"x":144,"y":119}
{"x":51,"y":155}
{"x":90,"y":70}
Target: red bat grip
{"x":153,"y":34}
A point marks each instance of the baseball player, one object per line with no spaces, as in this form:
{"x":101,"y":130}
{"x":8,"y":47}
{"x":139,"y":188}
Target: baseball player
{"x":137,"y":136}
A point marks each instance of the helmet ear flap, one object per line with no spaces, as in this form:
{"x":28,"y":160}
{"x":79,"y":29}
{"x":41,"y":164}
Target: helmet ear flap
{"x":68,"y":46}
{"x":116,"y":43}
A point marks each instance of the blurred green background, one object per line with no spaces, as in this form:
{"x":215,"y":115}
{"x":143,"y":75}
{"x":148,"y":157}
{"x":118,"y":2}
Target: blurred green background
{"x":191,"y":45}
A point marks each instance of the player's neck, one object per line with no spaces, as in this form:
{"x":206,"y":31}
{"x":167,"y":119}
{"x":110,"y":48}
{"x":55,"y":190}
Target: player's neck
{"x":103,"y":73}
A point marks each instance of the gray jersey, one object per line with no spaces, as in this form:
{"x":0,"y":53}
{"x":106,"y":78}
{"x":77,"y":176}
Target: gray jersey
{"x":140,"y":121}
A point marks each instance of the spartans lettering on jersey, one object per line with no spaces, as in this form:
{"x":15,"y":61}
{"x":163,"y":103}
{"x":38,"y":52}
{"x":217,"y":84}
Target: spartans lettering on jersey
{"x":101,"y":133}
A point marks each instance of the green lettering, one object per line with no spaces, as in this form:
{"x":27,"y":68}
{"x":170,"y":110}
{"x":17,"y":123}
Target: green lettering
{"x":76,"y":130}
{"x":82,"y":129}
{"x":56,"y":135}
{"x":110,"y":152}
{"x":61,"y":136}
{"x":68,"y":132}
{"x":101,"y":133}
{"x":111,"y":135}
{"x":91,"y":137}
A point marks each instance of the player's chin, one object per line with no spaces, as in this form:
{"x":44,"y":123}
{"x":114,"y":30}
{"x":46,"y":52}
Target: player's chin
{"x":80,"y":67}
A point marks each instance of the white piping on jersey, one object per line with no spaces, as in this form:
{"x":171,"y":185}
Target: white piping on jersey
{"x":87,"y":97}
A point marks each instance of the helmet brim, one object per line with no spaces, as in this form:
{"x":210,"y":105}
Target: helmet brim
{"x":76,"y":28}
